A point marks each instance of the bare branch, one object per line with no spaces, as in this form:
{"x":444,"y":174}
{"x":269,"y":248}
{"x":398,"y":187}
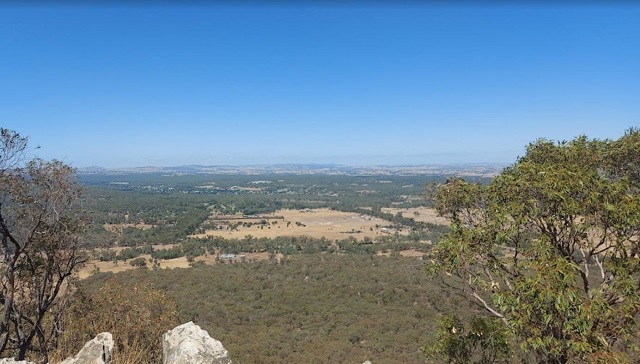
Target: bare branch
{"x":484,"y":303}
{"x":601,"y":266}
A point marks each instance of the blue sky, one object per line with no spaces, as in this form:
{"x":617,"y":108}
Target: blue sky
{"x":123,"y":86}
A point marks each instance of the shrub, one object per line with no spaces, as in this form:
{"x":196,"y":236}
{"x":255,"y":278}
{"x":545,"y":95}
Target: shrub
{"x":136,"y":317}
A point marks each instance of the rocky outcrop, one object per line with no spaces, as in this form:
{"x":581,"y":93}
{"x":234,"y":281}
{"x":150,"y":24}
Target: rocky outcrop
{"x":97,"y":351}
{"x":189,"y":344}
{"x":186,"y":344}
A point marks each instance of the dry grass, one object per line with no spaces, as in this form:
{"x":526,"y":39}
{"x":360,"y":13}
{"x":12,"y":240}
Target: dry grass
{"x":316,"y":223}
{"x":181,"y":262}
{"x":209,"y":259}
{"x":117,"y":228}
{"x":136,"y":315}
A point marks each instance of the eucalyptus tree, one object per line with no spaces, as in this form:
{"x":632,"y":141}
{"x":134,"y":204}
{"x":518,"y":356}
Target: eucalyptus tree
{"x":40,"y":236}
{"x":551,"y":247}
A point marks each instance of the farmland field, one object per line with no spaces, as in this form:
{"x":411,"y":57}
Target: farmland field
{"x":94,"y":265}
{"x":117,"y":228}
{"x":315,"y":223}
{"x":176,"y":221}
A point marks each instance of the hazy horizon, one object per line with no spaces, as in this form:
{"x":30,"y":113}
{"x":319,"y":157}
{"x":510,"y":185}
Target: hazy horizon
{"x":120,"y":86}
{"x":345,"y":163}
{"x":461,"y":164}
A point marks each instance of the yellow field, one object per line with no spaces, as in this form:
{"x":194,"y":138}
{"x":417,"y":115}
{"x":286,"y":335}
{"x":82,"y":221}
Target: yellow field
{"x":316,"y":223}
{"x":422,"y":214}
{"x":117,"y":228}
{"x":181,"y":262}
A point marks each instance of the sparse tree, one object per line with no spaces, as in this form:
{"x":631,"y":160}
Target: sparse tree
{"x":551,"y":247}
{"x":138,"y":262}
{"x":40,"y":229}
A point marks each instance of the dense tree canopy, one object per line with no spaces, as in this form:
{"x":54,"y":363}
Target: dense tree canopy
{"x":551,"y":247}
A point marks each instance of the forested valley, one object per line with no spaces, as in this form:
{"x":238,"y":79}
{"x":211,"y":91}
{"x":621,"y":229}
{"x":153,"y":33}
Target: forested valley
{"x":311,"y":299}
{"x":537,"y":264}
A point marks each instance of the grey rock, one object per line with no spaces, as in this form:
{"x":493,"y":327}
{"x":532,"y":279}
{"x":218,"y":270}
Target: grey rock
{"x":13,"y":361}
{"x":189,"y":344}
{"x":97,"y":351}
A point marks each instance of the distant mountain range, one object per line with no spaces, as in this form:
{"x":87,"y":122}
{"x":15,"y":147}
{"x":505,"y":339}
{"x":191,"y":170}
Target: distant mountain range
{"x":480,"y":170}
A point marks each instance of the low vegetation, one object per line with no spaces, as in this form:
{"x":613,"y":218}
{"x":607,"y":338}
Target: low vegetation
{"x":137,"y":316}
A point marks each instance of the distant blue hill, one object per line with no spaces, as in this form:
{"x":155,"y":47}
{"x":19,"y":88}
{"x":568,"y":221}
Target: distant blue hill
{"x":475,"y":169}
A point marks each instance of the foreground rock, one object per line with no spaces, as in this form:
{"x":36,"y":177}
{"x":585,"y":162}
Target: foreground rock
{"x":97,"y":351}
{"x":189,"y":344}
{"x":186,"y":344}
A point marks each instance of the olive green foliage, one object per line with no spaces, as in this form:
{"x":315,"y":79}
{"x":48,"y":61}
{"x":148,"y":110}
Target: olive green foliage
{"x":292,"y":245}
{"x":41,"y":226}
{"x":136,"y":315}
{"x":138,"y":262}
{"x":551,"y":248}
{"x":315,"y":308}
{"x":173,"y":216}
{"x":484,"y":341}
{"x":286,"y":245}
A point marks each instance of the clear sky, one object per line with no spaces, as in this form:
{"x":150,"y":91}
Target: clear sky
{"x":165,"y":85}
